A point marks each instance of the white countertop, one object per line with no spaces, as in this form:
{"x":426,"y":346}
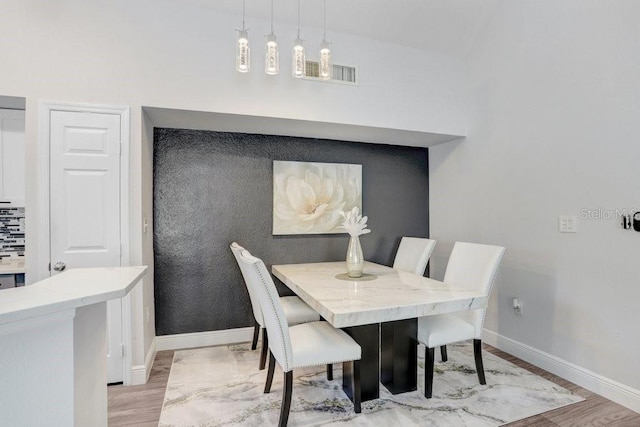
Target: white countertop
{"x":390,"y":295}
{"x":70,"y":289}
{"x":12,"y":266}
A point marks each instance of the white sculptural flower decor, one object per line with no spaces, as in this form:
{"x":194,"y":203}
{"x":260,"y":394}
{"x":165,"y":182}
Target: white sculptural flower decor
{"x":356,"y":225}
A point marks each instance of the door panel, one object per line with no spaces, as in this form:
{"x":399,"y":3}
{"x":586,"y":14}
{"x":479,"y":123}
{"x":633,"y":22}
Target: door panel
{"x":85,"y":204}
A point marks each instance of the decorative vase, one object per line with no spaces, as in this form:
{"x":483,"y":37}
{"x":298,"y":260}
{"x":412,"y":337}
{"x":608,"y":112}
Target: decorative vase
{"x":355,"y":261}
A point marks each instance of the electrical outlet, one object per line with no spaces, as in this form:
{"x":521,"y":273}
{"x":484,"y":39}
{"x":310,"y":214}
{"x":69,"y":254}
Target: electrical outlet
{"x":148,"y":314}
{"x":517,"y":306}
{"x":567,"y":224}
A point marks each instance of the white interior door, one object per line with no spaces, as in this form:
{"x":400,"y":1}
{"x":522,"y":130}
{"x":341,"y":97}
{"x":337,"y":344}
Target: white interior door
{"x":85,"y":205}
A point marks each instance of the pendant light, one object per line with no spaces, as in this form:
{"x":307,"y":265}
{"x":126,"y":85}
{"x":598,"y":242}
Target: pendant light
{"x":271,"y":60}
{"x":325,"y":50}
{"x":243,"y":58}
{"x":299,"y":60}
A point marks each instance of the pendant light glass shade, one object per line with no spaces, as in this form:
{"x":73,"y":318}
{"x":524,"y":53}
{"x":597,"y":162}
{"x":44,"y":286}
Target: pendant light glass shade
{"x":243,"y":58}
{"x":272,"y":57}
{"x":325,"y":50}
{"x":325,"y":60}
{"x":299,"y":60}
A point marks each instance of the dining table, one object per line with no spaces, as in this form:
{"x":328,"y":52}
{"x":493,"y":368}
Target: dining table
{"x":379,"y":310}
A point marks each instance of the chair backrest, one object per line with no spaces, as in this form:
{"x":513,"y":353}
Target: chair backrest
{"x":474,"y":267}
{"x":259,"y":279}
{"x":255,"y":304}
{"x":413,"y":254}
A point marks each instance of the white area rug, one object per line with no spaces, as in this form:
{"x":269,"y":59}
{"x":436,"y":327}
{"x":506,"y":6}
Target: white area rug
{"x":222,"y":386}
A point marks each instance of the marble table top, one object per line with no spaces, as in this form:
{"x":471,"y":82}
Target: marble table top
{"x":390,"y":295}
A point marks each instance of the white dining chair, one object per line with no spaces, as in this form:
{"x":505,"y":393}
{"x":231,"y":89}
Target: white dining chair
{"x":413,"y":254}
{"x":296,"y":311}
{"x":471,"y":267}
{"x":297,"y":346}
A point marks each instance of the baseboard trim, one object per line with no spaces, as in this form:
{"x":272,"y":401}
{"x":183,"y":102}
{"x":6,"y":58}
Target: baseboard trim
{"x":140,"y":373}
{"x":612,"y":390}
{"x":204,"y":339}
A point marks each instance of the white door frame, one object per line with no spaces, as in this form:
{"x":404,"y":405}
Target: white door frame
{"x":43,"y":237}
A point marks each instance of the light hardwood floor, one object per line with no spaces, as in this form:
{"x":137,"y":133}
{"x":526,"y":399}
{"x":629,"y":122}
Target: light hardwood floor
{"x":141,"y":405}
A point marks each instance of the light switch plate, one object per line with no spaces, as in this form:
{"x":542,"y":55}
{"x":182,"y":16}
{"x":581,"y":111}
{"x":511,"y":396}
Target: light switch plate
{"x":567,"y":224}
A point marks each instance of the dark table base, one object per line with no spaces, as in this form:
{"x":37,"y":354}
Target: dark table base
{"x":399,"y":355}
{"x":389,"y":355}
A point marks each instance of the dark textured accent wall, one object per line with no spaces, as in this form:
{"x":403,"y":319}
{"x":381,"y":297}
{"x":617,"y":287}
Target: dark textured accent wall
{"x":211,"y":188}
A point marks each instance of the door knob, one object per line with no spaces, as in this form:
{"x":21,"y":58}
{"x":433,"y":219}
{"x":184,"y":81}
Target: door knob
{"x":59,"y":266}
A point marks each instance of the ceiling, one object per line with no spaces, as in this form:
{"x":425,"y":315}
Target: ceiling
{"x":441,"y":26}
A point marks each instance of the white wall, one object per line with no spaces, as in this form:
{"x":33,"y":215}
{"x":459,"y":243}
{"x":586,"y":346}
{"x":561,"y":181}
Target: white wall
{"x":180,"y":54}
{"x":554,"y":107}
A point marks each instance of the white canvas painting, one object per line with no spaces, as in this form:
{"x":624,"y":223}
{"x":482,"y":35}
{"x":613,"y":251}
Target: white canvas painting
{"x":308,"y":197}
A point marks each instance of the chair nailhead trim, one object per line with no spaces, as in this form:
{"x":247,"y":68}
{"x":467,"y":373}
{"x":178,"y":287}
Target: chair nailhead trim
{"x":282,"y":333}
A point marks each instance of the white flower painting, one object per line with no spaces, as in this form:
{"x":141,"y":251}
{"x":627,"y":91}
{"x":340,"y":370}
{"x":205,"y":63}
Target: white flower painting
{"x":308,"y":198}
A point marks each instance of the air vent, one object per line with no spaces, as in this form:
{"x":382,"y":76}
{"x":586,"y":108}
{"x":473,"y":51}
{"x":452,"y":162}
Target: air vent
{"x":339,"y":73}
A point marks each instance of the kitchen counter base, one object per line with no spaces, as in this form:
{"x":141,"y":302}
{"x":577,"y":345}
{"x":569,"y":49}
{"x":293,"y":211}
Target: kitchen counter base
{"x":53,"y":358}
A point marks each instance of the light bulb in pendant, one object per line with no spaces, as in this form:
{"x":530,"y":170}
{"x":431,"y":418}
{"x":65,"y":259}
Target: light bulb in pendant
{"x":272,"y":60}
{"x":299,"y":60}
{"x":243,"y":58}
{"x":325,"y":60}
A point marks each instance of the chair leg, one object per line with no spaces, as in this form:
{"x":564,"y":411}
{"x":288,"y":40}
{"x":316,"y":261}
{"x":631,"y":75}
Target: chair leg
{"x":477,"y":352}
{"x":265,"y":348}
{"x":286,"y":399}
{"x":256,"y":332}
{"x":357,"y":391}
{"x":443,"y":353}
{"x":272,"y":367}
{"x":330,"y":372}
{"x":429,"y":361}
